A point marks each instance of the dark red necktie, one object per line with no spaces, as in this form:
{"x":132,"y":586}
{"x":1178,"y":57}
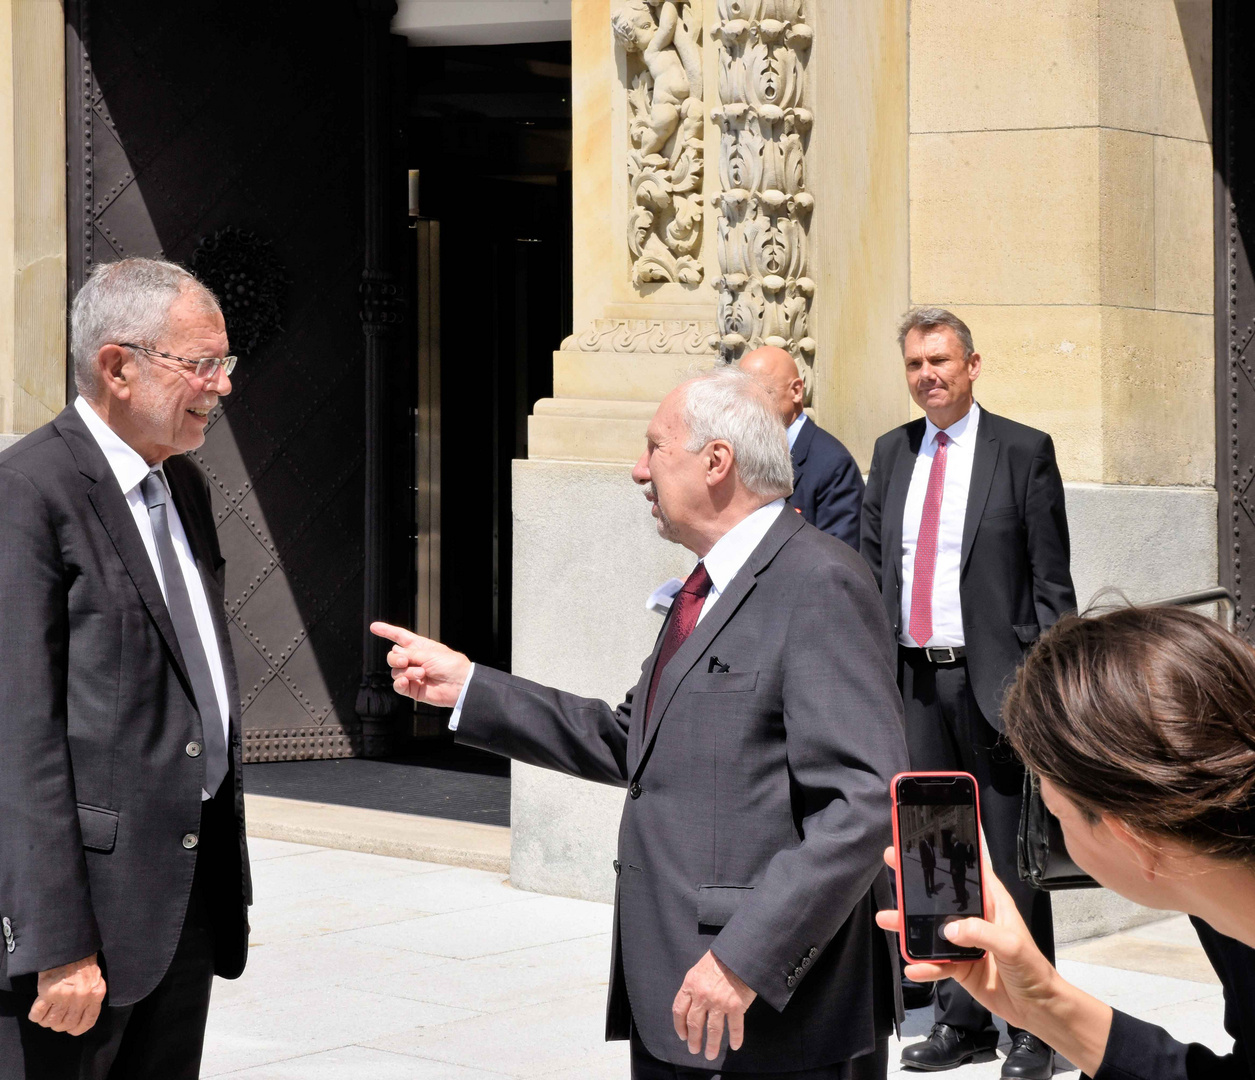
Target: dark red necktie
{"x":685,"y":608}
{"x":921,"y":628}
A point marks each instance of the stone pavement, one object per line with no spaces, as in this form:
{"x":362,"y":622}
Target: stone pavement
{"x":369,"y":967}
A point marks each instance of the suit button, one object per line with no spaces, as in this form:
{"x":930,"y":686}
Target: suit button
{"x":798,"y":972}
{"x":813,"y":953}
{"x":635,"y":791}
{"x":791,"y":981}
{"x":190,"y":841}
{"x":193,"y":749}
{"x":616,"y":866}
{"x":806,"y":961}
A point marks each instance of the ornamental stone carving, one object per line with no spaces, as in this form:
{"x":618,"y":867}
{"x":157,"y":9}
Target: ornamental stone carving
{"x":645,"y":336}
{"x":765,"y":292}
{"x":663,"y":43}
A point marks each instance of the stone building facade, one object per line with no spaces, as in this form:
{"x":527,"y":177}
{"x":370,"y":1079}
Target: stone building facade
{"x":802,"y":171}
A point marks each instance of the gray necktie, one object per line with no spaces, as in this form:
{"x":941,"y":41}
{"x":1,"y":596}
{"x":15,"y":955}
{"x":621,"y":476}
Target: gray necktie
{"x":185,"y":629}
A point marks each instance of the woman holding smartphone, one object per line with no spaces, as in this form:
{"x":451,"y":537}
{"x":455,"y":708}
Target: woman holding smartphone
{"x":1141,"y":725}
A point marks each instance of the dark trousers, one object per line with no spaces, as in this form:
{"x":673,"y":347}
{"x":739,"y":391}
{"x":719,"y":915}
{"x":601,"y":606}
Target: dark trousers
{"x":946,"y":732}
{"x":158,"y":1038}
{"x":873,"y":1066}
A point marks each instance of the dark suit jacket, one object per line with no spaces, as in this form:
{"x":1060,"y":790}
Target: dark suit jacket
{"x":757,"y":804}
{"x":1015,"y":579}
{"x":827,"y":485}
{"x":96,"y":788}
{"x":1137,"y":1050}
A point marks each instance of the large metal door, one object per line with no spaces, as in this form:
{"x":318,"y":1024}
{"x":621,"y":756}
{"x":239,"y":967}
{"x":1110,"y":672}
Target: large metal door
{"x":227,"y":135}
{"x":1234,"y":140}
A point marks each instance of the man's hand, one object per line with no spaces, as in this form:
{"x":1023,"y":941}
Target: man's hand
{"x":69,"y":997}
{"x":423,"y":669}
{"x":711,"y":993}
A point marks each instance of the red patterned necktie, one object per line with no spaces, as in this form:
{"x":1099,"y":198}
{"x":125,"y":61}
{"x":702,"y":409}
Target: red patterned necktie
{"x":921,"y":628}
{"x":684,"y":611}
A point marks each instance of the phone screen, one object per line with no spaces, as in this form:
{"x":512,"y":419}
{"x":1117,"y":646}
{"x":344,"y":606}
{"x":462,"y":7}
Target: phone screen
{"x":939,"y":878}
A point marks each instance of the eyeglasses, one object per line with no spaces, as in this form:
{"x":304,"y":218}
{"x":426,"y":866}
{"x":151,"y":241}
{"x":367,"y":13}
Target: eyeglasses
{"x":202,"y":369}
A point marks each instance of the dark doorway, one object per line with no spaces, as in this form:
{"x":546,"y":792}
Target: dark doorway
{"x":228,"y":136}
{"x":489,"y":131}
{"x":1233,"y":132}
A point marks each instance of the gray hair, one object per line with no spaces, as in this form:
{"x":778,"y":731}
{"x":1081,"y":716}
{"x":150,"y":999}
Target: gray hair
{"x":128,"y":301}
{"x":726,"y":403}
{"x":929,"y":318}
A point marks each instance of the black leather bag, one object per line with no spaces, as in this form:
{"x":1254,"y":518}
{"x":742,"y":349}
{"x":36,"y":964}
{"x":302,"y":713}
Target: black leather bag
{"x":1040,"y":851}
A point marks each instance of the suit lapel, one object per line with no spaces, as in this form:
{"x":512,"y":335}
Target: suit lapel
{"x":895,"y":500}
{"x":726,"y":605}
{"x":984,"y":461}
{"x":184,"y":482}
{"x":110,"y":506}
{"x":801,"y":447}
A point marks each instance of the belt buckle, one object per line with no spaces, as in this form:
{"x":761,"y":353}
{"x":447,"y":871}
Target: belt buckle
{"x":935,"y":654}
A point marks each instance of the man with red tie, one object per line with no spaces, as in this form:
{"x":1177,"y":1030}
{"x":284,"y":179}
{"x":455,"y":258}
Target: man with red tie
{"x":756,"y":751}
{"x":965,"y":531}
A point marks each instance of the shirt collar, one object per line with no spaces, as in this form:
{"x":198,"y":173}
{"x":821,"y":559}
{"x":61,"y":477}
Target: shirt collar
{"x":733,"y":548}
{"x":129,"y":468}
{"x":962,"y":431}
{"x":794,"y":429}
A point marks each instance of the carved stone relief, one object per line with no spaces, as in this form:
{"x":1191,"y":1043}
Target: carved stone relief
{"x":765,"y":292}
{"x":645,"y":336}
{"x":663,"y":43}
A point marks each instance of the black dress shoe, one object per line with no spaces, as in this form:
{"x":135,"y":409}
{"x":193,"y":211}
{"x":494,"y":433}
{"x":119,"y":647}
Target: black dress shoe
{"x":1029,"y":1059}
{"x":945,"y":1048}
{"x":916,"y":995}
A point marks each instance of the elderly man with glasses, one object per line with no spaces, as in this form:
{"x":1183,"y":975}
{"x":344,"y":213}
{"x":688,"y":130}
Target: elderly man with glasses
{"x":124,"y":878}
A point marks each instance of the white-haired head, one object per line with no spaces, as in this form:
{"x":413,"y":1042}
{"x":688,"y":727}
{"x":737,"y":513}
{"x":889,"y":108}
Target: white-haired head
{"x":726,"y":403}
{"x":126,"y":301}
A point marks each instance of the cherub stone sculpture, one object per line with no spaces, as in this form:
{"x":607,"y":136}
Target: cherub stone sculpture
{"x":672,"y":58}
{"x":667,"y":118}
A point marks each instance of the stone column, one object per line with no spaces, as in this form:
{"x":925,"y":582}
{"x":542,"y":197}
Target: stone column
{"x":1061,"y":203}
{"x":685,"y":245}
{"x":32,"y":214}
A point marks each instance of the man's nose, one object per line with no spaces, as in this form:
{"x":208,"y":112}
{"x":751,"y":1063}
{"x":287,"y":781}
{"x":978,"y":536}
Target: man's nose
{"x":640,"y":471}
{"x":219,"y":382}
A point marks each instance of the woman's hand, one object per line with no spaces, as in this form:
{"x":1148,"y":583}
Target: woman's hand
{"x":1014,"y":979}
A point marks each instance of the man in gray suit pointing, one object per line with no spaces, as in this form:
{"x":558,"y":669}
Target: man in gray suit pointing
{"x":756,"y":749}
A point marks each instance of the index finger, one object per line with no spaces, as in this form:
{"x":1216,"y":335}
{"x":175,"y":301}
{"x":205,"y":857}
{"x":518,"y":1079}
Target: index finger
{"x":398,"y":634}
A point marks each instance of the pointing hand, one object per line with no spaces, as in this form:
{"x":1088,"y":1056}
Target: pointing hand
{"x":423,"y":669}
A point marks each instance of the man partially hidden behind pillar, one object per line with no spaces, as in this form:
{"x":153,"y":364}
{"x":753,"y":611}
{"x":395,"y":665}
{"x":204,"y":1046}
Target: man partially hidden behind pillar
{"x":124,"y":877}
{"x":827,"y":485}
{"x":965,"y":531}
{"x":756,"y":751}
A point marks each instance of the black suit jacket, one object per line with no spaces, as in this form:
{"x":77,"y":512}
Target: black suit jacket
{"x":827,"y":484}
{"x":1015,"y":579}
{"x":757,"y":805}
{"x":96,"y":789}
{"x":1137,"y":1050}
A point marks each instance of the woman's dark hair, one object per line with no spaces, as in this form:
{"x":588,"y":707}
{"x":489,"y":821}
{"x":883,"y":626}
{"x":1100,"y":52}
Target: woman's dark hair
{"x":1147,"y":714}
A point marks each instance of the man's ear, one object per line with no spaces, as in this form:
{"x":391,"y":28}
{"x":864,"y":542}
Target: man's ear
{"x":718,"y":461}
{"x":113,"y":366}
{"x":973,"y":364}
{"x":1145,"y":854}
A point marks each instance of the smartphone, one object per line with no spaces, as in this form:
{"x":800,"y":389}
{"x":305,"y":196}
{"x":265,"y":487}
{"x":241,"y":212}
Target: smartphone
{"x":936,"y":835}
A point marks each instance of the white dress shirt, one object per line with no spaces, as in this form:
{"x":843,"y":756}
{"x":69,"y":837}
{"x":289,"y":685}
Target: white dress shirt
{"x":723,"y":563}
{"x":794,"y":429}
{"x":947,"y":610}
{"x":130,"y":470}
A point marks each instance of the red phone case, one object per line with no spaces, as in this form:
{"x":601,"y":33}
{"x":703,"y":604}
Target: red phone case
{"x":897,"y":852}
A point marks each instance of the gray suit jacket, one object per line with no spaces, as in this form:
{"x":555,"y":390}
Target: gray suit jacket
{"x":96,"y":789}
{"x":758,"y":803}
